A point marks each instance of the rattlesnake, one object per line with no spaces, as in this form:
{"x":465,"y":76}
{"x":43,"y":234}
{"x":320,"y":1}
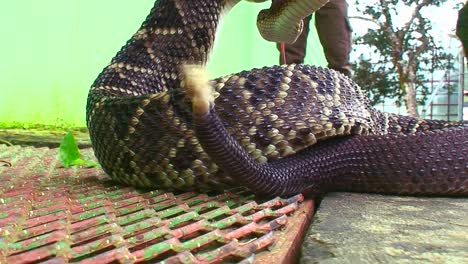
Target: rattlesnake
{"x":148,"y":130}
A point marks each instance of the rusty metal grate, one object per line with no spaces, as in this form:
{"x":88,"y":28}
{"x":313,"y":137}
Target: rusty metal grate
{"x":55,"y":215}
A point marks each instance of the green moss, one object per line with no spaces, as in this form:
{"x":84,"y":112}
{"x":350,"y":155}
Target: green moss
{"x":36,"y":126}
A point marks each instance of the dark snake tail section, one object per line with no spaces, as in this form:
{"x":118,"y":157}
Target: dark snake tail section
{"x":426,"y":163}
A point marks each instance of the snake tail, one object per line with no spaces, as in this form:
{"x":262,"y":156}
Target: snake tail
{"x":198,"y":88}
{"x":425,"y":163}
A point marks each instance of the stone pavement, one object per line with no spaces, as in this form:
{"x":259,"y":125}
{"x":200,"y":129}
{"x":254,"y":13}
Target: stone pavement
{"x":365,"y":228}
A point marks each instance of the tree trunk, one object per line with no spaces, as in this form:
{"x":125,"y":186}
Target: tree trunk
{"x":411,"y":103}
{"x":410,"y":90}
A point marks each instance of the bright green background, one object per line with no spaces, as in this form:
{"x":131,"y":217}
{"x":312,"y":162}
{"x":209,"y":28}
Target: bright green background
{"x":51,"y":51}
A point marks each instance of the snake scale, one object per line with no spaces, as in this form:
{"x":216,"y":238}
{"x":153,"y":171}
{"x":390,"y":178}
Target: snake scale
{"x":156,"y":122}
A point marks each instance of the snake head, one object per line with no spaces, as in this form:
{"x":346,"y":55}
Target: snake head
{"x":197,"y":86}
{"x":282,"y":22}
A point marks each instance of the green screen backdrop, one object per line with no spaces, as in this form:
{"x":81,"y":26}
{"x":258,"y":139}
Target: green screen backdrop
{"x":52,"y":50}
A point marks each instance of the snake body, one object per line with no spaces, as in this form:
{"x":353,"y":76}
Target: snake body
{"x":146,"y":130}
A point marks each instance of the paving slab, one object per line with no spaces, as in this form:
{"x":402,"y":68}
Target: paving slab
{"x":366,"y":228}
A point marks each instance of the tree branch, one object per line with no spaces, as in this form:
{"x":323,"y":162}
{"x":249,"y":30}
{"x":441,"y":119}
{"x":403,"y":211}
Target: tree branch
{"x":396,"y":42}
{"x":368,"y":20}
{"x":416,"y":13}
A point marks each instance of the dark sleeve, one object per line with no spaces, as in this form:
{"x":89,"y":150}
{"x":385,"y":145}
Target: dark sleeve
{"x":462,"y":27}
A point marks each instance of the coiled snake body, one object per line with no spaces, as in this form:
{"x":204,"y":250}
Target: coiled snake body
{"x":155,"y":124}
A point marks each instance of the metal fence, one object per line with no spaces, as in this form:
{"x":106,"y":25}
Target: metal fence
{"x":447,"y":98}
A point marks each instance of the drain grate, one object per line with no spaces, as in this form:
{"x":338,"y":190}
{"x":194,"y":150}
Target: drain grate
{"x":56,"y":215}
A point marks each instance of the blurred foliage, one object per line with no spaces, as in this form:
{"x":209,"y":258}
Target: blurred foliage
{"x":398,"y":52}
{"x":69,"y":153}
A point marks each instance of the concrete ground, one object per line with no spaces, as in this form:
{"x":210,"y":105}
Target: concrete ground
{"x":365,"y":228}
